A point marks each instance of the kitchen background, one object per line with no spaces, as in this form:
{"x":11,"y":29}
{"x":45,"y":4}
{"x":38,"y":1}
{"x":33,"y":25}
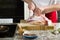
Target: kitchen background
{"x":11,"y":11}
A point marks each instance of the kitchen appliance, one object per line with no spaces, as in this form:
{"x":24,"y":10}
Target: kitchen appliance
{"x":11,"y":11}
{"x":7,"y":30}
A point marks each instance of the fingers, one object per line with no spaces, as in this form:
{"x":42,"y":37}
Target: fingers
{"x":49,"y":22}
{"x":37,"y":11}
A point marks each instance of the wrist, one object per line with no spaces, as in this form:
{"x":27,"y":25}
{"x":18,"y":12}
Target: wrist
{"x":48,"y":9}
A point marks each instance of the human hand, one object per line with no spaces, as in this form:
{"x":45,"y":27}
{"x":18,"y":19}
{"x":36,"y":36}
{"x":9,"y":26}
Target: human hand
{"x":36,"y":20}
{"x":42,"y":9}
{"x":45,"y":9}
{"x":31,"y":6}
{"x":37,"y":11}
{"x":48,"y":21}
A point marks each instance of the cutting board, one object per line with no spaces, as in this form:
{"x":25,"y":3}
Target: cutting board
{"x":28,"y":26}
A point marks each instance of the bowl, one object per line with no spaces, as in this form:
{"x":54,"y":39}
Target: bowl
{"x":30,"y":36}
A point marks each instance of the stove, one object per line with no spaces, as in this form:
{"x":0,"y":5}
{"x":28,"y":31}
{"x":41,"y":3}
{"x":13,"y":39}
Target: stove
{"x":9,"y":31}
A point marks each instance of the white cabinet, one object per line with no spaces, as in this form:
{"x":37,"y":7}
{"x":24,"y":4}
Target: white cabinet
{"x":26,"y":11}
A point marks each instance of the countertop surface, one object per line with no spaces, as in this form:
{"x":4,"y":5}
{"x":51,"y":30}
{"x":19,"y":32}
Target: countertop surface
{"x":42,"y":35}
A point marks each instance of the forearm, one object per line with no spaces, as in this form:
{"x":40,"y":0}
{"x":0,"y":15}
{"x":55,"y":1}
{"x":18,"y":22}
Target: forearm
{"x":51,"y":8}
{"x":27,"y":1}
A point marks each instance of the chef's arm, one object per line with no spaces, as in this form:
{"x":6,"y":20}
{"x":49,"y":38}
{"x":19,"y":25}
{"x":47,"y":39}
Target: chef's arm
{"x":51,"y":8}
{"x":27,"y":1}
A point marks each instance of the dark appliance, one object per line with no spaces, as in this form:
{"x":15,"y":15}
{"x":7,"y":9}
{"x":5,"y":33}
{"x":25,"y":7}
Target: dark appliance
{"x":7,"y":30}
{"x":10,"y":9}
{"x":13,"y":9}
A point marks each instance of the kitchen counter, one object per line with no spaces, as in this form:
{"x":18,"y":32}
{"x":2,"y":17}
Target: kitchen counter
{"x":42,"y":35}
{"x":46,"y":35}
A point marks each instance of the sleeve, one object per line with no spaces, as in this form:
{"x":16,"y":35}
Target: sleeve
{"x":57,"y":1}
{"x":27,"y":1}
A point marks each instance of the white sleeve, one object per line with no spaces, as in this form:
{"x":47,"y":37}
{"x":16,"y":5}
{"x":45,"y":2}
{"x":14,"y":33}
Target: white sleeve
{"x":57,"y":1}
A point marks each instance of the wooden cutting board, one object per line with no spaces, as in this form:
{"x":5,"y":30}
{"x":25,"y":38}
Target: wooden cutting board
{"x":28,"y":26}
